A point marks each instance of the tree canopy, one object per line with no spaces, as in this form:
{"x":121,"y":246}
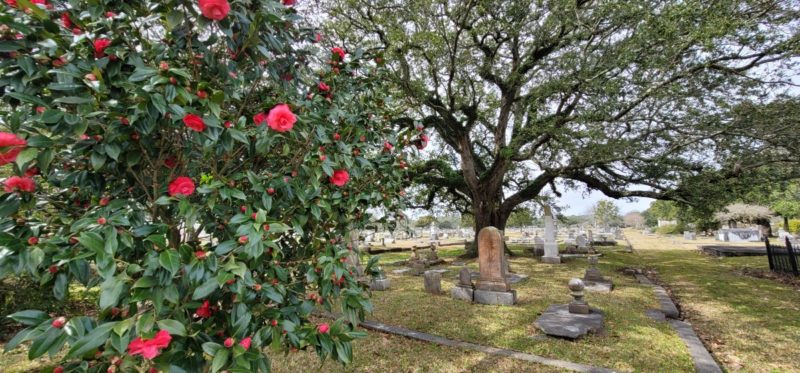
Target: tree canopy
{"x":631,"y":98}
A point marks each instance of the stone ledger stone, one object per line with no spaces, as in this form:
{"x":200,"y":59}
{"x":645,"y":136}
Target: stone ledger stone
{"x":558,"y":321}
{"x":492,"y":286}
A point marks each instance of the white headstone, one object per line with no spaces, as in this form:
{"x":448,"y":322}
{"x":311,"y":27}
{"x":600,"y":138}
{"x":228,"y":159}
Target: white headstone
{"x":550,"y":245}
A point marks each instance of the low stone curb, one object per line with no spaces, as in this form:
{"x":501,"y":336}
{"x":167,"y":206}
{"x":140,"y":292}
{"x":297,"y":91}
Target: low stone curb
{"x":703,"y":361}
{"x":413,"y":334}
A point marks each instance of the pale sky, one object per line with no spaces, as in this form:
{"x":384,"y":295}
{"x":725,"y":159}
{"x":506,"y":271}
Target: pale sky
{"x":578,"y":203}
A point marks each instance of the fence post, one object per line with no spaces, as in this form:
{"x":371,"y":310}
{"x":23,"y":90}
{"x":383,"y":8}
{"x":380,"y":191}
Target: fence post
{"x":792,"y":258}
{"x":769,"y":254}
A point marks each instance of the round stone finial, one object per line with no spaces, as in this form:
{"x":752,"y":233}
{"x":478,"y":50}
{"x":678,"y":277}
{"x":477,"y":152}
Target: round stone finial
{"x":576,"y":284}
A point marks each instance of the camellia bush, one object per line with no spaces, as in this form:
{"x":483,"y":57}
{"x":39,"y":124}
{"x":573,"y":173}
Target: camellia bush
{"x":201,"y":164}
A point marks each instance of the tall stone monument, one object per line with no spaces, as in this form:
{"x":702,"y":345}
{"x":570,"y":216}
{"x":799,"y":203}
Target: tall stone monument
{"x":492,"y":286}
{"x":550,"y":245}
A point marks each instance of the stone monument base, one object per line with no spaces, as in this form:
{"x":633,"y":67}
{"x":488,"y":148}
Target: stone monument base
{"x":558,"y":321}
{"x":551,"y":259}
{"x":380,"y":284}
{"x":505,"y":298}
{"x":462,"y":293}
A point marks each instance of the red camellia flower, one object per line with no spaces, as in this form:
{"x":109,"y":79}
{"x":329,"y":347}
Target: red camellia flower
{"x":228,"y":342}
{"x":110,"y":14}
{"x":323,"y":87}
{"x":20,"y":184}
{"x":204,"y":311}
{"x":101,"y":220}
{"x":281,"y":118}
{"x":150,"y":348}
{"x":323,"y":328}
{"x":10,"y":146}
{"x":33,"y":241}
{"x":228,"y":124}
{"x":339,"y":177}
{"x":423,"y":141}
{"x":246,"y":343}
{"x":194,"y":122}
{"x":336,"y":136}
{"x":58,"y":369}
{"x":288,"y":2}
{"x":104,"y":201}
{"x":65,"y":20}
{"x":59,"y":322}
{"x":338,"y":51}
{"x":243,"y":240}
{"x":214,"y":9}
{"x":31,"y":172}
{"x":100,"y":46}
{"x":53,"y":269}
{"x":200,"y":255}
{"x":387,"y":146}
{"x":181,"y":186}
{"x":260,"y":118}
{"x":170,"y":162}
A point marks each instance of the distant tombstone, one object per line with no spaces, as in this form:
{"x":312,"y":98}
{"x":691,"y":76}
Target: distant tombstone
{"x":581,"y":241}
{"x":593,"y":273}
{"x":433,"y":282}
{"x":689,"y":235}
{"x":380,"y":283}
{"x":538,"y":244}
{"x":492,"y":286}
{"x":464,"y":289}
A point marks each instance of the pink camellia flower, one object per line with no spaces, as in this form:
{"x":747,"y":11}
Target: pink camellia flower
{"x":340,"y":177}
{"x":181,"y":186}
{"x":339,"y":52}
{"x":59,"y":322}
{"x":228,"y":342}
{"x":323,"y":328}
{"x":11,"y":3}
{"x":260,"y":118}
{"x":194,"y":122}
{"x":281,"y":118}
{"x":214,"y":9}
{"x":150,"y":348}
{"x":100,"y":46}
{"x":110,"y":14}
{"x":10,"y":146}
{"x":387,"y":146}
{"x":318,"y":38}
{"x":20,"y":184}
{"x":246,"y":343}
{"x":204,"y":311}
{"x":323,"y":87}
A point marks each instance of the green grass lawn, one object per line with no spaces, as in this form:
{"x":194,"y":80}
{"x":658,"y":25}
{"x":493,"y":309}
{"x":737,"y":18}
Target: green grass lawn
{"x":750,"y":324}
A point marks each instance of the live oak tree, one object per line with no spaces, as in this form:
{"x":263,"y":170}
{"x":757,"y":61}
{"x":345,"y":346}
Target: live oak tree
{"x":200,"y":163}
{"x":630,"y":98}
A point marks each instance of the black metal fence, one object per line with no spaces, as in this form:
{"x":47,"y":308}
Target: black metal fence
{"x":783,"y":258}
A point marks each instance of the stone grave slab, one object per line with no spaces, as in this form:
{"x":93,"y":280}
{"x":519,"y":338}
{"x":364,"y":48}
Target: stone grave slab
{"x":558,"y":321}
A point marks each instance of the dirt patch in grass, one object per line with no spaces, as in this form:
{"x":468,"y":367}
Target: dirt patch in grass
{"x":793,"y":281}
